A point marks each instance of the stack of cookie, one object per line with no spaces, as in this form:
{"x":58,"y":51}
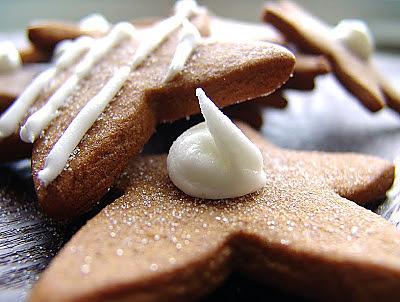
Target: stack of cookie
{"x":223,"y":199}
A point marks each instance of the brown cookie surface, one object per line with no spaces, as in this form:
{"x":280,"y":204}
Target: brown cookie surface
{"x":309,"y":34}
{"x":45,"y":35}
{"x":300,"y":232}
{"x":307,"y":68}
{"x":12,"y":84}
{"x":229,"y":72}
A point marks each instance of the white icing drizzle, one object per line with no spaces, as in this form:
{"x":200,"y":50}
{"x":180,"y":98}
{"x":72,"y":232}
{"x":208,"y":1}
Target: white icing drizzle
{"x":61,"y":47}
{"x":95,"y":22}
{"x":38,"y":121}
{"x":59,"y":154}
{"x":41,"y":118}
{"x":10,"y":60}
{"x":187,"y":8}
{"x":120,"y":31}
{"x":10,"y":119}
{"x":183,"y":9}
{"x":157,"y":35}
{"x":189,"y":38}
{"x":74,"y":50}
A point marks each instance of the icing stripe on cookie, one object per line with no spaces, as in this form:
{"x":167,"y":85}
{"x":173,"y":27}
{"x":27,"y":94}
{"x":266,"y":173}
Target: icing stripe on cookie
{"x":58,"y":156}
{"x":34,"y":125}
{"x":10,"y":120}
{"x":183,"y":9}
{"x":76,"y":49}
{"x":189,"y":39}
{"x":38,"y":121}
{"x":157,"y":35}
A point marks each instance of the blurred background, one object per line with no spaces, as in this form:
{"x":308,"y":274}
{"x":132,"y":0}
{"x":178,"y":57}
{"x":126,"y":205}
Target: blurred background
{"x":383,"y":16}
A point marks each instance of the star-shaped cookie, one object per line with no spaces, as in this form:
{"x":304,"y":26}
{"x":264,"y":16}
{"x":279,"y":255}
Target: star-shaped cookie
{"x":302,"y":232}
{"x":360,"y":77}
{"x":231,"y":72}
{"x":45,"y":35}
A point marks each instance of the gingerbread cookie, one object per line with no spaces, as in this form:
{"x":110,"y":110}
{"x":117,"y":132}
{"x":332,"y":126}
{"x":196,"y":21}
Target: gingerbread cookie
{"x":30,"y":54}
{"x":356,"y":72}
{"x":130,"y":80}
{"x":307,"y":68}
{"x":301,"y":232}
{"x":13,"y":83}
{"x":47,"y":34}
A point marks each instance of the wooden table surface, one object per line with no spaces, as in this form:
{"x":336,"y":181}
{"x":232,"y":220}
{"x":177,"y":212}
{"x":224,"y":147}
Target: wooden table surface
{"x":327,"y":119}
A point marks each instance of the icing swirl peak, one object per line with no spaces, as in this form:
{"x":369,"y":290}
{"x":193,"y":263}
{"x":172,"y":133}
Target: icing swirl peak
{"x":214,"y":159}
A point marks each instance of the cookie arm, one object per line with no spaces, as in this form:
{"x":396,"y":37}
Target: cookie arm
{"x":322,"y":246}
{"x":156,"y":242}
{"x":228,"y":72}
{"x":313,"y":36}
{"x":361,"y":178}
{"x":143,"y":259}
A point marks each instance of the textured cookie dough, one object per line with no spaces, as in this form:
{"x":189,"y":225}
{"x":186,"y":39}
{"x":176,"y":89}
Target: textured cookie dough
{"x":229,"y":72}
{"x":302,"y":232}
{"x":360,"y":77}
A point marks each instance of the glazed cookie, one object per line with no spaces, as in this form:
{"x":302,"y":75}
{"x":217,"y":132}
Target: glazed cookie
{"x":351,"y":62}
{"x":46,"y":35}
{"x":301,"y":232}
{"x":95,"y":113}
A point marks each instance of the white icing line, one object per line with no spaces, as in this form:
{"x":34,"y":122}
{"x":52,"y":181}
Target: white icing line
{"x":189,"y":38}
{"x":74,"y":50}
{"x":183,"y":10}
{"x":39,"y":121}
{"x":58,"y":156}
{"x":95,"y":22}
{"x":157,"y":35}
{"x":187,"y":8}
{"x":10,"y":119}
{"x":104,"y":45}
{"x":42,"y":118}
{"x":10,"y":59}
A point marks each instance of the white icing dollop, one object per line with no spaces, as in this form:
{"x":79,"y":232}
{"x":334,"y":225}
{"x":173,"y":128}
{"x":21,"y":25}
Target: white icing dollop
{"x":95,"y":22}
{"x":189,"y":37}
{"x":356,"y":36}
{"x":10,"y":59}
{"x":214,"y":159}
